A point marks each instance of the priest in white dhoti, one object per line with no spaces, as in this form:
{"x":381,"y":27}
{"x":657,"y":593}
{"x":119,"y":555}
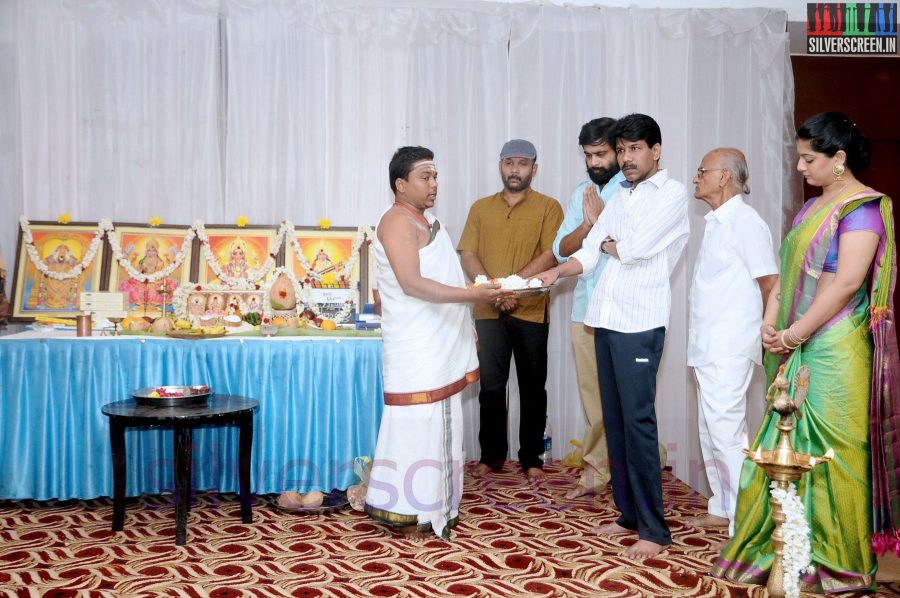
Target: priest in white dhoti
{"x":430,"y":356}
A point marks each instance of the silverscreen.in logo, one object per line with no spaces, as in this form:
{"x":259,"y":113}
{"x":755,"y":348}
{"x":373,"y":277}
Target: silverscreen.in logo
{"x":851,"y":28}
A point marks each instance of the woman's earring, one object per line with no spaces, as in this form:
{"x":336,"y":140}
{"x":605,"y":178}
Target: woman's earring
{"x":838,"y":171}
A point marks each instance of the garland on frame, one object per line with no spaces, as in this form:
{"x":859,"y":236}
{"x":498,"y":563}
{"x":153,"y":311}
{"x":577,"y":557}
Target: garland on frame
{"x":252,"y":275}
{"x":363,"y":232}
{"x":302,"y":289}
{"x":123,"y":260}
{"x":76,"y":270}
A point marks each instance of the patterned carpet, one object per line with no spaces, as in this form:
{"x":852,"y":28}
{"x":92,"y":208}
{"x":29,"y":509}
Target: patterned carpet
{"x":511,"y":541}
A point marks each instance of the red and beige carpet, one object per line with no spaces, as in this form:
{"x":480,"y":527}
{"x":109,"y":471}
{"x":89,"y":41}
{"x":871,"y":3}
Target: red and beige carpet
{"x":512,"y":540}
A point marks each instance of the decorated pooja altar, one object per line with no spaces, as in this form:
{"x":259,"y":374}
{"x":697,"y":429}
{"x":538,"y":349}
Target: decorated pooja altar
{"x":197,"y":278}
{"x":269,"y":311}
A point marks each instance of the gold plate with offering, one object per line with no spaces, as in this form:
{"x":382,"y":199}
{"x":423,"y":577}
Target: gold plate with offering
{"x":172,"y":396}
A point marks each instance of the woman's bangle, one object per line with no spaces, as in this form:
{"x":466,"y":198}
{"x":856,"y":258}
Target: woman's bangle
{"x":794,"y":338}
{"x":784,"y":341}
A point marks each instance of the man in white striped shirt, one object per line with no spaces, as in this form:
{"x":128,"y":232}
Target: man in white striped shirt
{"x":644,"y":232}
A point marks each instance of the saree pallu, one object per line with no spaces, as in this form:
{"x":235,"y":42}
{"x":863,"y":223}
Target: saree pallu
{"x":837,"y":496}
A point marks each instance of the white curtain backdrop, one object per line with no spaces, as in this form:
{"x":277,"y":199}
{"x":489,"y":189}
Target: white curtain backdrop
{"x":291,"y":109}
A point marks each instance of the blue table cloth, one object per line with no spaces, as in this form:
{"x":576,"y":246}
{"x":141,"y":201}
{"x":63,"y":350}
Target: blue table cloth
{"x":320,"y":406}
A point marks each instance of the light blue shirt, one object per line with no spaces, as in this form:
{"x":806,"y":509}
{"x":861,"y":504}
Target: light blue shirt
{"x":574,"y":218}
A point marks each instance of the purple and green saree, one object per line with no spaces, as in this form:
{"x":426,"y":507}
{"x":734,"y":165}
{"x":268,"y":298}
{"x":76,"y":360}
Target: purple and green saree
{"x":852,"y":406}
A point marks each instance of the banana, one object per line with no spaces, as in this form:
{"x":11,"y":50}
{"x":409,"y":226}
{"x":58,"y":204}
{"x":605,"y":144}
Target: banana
{"x":50,"y":320}
{"x":182,"y":324}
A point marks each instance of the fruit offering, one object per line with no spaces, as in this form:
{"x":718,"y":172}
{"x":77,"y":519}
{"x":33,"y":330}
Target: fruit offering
{"x":166,"y":392}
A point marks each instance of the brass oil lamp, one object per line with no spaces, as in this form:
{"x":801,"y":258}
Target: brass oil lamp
{"x":784,"y":465}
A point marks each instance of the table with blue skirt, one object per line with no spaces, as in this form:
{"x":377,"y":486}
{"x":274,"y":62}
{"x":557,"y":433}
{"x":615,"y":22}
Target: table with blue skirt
{"x":320,"y":403}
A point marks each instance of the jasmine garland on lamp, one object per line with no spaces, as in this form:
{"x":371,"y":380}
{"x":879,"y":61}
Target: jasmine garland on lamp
{"x":832,"y":312}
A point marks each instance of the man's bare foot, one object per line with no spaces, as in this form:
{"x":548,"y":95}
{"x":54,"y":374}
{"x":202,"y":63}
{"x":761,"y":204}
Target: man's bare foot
{"x":707,"y":520}
{"x":412,"y":533}
{"x":535,"y":474}
{"x":481,"y":469}
{"x":609,"y":529}
{"x":642,"y":550}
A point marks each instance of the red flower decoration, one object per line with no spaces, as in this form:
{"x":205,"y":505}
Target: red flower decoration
{"x":306,"y":280}
{"x":368,"y":241}
{"x":265,"y":320}
{"x":282,"y":293}
{"x":198,"y":288}
{"x":257,"y":286}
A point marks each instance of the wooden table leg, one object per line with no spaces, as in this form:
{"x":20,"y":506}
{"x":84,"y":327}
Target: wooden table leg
{"x":183,"y":447}
{"x":245,"y":450}
{"x":120,"y":474}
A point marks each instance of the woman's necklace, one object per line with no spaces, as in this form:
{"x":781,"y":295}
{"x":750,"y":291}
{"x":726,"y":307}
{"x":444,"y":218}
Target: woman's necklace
{"x":421,"y":218}
{"x":829,"y":198}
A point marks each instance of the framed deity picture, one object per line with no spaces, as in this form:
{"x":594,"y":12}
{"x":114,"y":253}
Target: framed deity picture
{"x":148,"y":264}
{"x":230,"y":256}
{"x":45,"y":283}
{"x":328,"y":262}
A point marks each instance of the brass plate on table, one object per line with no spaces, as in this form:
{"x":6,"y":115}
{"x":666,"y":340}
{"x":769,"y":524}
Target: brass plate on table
{"x":332,"y":501}
{"x":171,"y":396}
{"x":193,"y":335}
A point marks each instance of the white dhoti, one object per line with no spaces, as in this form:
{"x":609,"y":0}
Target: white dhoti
{"x":429,"y":358}
{"x":417,"y":473}
{"x":722,"y":415}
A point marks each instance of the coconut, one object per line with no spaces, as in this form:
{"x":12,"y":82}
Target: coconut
{"x":282,"y":295}
{"x":312,"y":500}
{"x":162,"y":325}
{"x":140,"y":325}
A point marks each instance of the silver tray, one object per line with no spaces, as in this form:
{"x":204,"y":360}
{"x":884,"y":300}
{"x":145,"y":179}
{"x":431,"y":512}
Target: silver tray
{"x":535,"y":292}
{"x":192,"y":395}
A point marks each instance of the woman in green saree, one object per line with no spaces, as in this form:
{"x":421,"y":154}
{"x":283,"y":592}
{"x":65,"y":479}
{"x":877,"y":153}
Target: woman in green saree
{"x":833,"y":312}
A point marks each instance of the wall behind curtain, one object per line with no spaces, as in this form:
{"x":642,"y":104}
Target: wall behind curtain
{"x":287,"y":109}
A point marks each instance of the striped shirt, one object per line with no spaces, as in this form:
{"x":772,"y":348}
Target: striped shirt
{"x":650,"y":227}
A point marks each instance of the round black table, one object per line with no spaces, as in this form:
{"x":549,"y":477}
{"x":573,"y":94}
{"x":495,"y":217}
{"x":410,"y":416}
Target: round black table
{"x":218,"y":410}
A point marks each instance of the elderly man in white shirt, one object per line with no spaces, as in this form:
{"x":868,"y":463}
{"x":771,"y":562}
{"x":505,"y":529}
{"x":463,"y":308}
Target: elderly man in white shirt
{"x":643,"y":230}
{"x":736,"y":269}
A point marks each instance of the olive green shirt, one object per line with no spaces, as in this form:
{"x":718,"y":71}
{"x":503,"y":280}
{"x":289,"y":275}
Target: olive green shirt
{"x":505,"y":239}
